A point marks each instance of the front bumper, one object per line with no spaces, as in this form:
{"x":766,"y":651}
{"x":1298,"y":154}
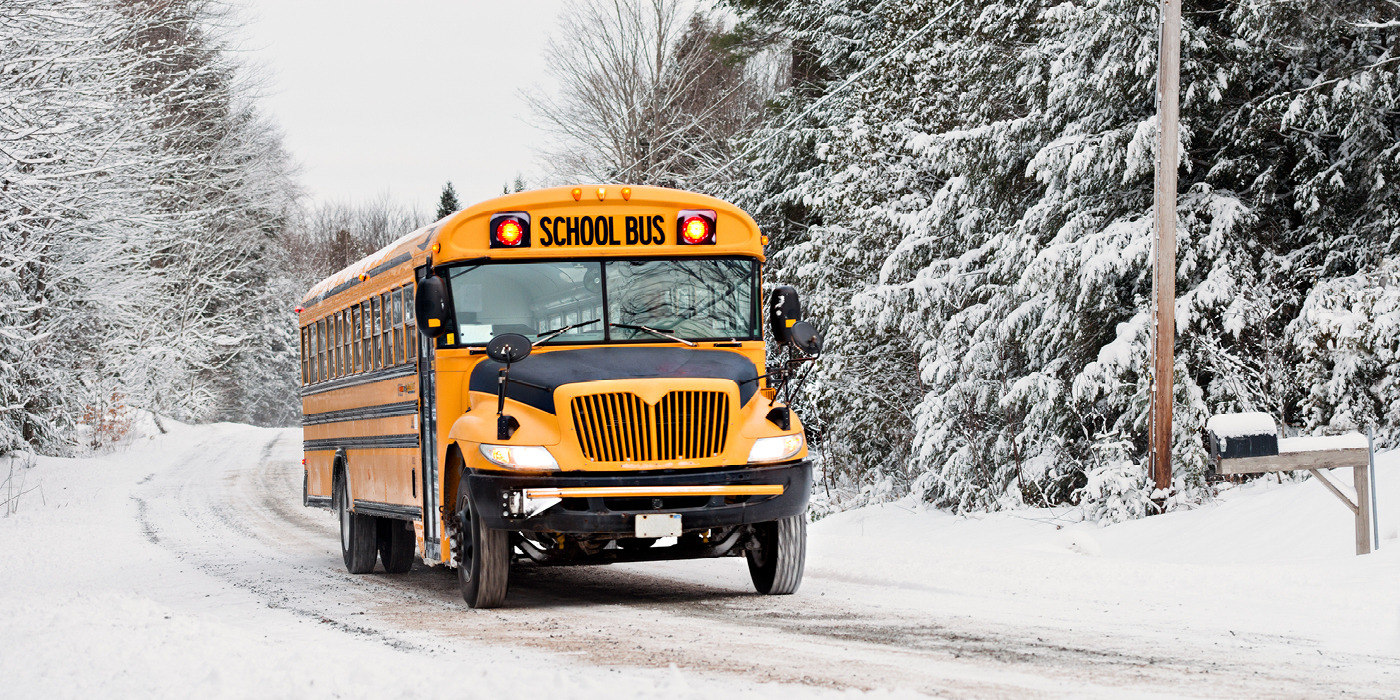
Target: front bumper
{"x":608,"y":502}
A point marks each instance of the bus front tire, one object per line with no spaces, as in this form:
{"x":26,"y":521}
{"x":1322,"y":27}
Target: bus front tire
{"x":483,"y":559}
{"x":397,"y":545}
{"x":358,"y":535}
{"x":776,"y":564}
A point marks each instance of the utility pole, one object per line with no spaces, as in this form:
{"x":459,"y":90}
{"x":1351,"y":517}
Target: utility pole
{"x":1164,"y":250}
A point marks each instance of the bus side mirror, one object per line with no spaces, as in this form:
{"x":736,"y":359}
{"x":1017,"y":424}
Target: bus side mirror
{"x":784,"y":311}
{"x":430,"y":306}
{"x":508,"y":348}
{"x":806,"y":338}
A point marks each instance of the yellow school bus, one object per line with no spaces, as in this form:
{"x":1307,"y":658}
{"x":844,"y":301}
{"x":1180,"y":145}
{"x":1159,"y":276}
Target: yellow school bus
{"x":574,"y":375}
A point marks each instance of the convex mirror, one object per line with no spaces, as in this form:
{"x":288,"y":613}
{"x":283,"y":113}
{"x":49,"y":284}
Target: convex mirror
{"x":806,"y":338}
{"x":508,"y":348}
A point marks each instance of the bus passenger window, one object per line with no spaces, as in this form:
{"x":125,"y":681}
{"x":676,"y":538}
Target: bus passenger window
{"x":305,"y":364}
{"x":363,"y":337}
{"x":311,"y":341}
{"x":321,"y":350}
{"x":339,"y":345}
{"x":345,"y":341}
{"x":387,"y":339}
{"x":410,"y":335}
{"x":355,"y":367}
{"x":398,"y":326}
{"x":373,"y":325}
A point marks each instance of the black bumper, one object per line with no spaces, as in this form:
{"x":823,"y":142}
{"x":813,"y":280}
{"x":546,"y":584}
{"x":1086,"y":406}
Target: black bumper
{"x":616,"y":515}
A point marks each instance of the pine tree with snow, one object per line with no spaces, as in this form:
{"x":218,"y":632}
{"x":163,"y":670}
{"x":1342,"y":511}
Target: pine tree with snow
{"x":975,"y":188}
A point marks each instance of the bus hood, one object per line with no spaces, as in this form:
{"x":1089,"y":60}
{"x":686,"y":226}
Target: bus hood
{"x":550,"y":370}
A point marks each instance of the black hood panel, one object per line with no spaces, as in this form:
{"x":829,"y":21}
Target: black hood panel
{"x":552,"y":370}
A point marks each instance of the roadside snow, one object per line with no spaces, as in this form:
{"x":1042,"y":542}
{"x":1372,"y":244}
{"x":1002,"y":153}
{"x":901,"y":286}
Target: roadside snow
{"x":91,"y":606}
{"x":101,"y":595}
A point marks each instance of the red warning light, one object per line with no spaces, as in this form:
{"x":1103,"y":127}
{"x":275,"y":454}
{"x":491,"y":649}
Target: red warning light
{"x":696,"y":227}
{"x":510,"y":230}
{"x":695,"y":230}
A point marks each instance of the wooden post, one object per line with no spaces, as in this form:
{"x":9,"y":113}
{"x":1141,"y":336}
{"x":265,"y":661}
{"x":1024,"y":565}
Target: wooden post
{"x":1361,"y":478}
{"x":1164,"y":261}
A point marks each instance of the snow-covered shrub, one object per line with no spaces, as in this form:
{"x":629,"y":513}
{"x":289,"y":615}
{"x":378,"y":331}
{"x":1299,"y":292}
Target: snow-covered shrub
{"x":1348,"y":336}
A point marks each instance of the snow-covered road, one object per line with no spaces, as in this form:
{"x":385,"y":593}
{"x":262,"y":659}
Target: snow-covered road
{"x":187,"y":565}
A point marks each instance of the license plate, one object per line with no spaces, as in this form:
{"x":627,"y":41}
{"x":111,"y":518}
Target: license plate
{"x":659,"y":525}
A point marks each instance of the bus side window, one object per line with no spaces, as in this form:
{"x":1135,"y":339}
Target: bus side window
{"x":387,"y":339}
{"x":410,"y":335}
{"x":332,"y":347}
{"x":345,"y":325}
{"x":374,"y":332}
{"x":311,"y":342}
{"x":355,"y":339}
{"x":398,"y":326}
{"x":364,"y":335}
{"x":321,"y":350}
{"x":339,"y":345}
{"x":302,"y":333}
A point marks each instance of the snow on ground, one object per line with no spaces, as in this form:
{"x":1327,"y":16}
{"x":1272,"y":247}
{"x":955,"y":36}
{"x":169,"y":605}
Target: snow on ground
{"x":99,"y":595}
{"x":1265,"y":560}
{"x":91,"y":607}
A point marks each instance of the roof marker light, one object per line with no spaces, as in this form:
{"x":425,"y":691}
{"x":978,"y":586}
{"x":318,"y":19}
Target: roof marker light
{"x":627,"y":194}
{"x":363,"y":277}
{"x":601,"y":193}
{"x":437,"y":247}
{"x":577,"y":192}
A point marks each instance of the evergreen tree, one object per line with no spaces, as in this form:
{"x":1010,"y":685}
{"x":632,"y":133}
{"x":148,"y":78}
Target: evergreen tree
{"x":447,"y":203}
{"x":979,"y":201}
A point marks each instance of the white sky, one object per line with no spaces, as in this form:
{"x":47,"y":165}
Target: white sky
{"x":402,"y":96}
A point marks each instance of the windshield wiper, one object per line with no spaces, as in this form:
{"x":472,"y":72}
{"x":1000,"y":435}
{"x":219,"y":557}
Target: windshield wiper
{"x":549,"y":335}
{"x":653,"y":331}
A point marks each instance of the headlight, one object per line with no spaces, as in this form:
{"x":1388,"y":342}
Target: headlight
{"x":520,"y":457}
{"x":775,"y":449}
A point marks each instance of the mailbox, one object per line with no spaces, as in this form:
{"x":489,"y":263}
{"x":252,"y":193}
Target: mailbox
{"x":1236,"y":435}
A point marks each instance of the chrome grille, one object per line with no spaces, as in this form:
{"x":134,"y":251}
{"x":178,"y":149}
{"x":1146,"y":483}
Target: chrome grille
{"x":621,"y":427}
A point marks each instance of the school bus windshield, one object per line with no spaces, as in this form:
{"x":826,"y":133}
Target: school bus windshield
{"x":695,"y":299}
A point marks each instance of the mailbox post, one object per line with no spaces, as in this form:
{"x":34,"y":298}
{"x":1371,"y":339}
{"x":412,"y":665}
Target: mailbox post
{"x":1248,"y":443}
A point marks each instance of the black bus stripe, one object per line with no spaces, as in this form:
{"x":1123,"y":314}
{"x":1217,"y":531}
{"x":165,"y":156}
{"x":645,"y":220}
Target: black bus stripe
{"x":403,"y":441}
{"x":387,"y":410}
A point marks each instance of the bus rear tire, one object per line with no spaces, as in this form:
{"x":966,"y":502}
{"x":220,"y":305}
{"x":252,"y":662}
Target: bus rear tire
{"x":358,"y":535}
{"x":483,"y":558}
{"x":397,"y":545}
{"x":776,"y":564}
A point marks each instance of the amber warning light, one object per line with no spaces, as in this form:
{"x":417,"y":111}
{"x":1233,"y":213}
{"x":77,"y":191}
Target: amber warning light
{"x":510,"y":229}
{"x":696,"y":227}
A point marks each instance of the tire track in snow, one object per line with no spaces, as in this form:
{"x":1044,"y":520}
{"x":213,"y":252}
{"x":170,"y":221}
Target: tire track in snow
{"x":233,"y":509}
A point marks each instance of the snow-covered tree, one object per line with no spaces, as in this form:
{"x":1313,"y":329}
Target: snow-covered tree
{"x":972,"y":186}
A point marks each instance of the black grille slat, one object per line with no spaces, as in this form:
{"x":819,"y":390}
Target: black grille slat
{"x":621,"y":427}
